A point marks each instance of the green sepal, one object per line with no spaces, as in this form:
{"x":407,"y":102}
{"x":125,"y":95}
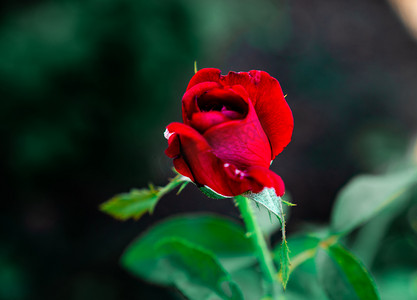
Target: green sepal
{"x":211,"y":194}
{"x":285,"y":263}
{"x":268,"y":198}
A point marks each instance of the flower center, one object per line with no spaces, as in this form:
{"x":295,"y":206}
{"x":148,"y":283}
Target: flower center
{"x":218,"y":106}
{"x":225,"y":101}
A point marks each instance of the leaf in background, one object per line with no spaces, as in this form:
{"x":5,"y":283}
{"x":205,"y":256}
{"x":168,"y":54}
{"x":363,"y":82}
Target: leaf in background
{"x":220,"y":236}
{"x":249,"y":280}
{"x":194,"y":269}
{"x":343,"y":276}
{"x":366,"y":195}
{"x":370,"y":237}
{"x":138,"y":202}
{"x":398,"y":282}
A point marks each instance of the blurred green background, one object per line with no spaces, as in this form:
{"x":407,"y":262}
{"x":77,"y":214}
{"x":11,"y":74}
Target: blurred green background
{"x":87,"y":88}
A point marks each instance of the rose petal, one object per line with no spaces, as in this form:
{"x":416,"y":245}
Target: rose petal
{"x":266,"y":178}
{"x":273,"y":111}
{"x":189,"y":100}
{"x":204,"y":120}
{"x":194,"y":158}
{"x":205,"y":75}
{"x":205,"y":108}
{"x":241,"y":142}
{"x":174,"y":151}
{"x":266,"y":95}
{"x":216,"y":98}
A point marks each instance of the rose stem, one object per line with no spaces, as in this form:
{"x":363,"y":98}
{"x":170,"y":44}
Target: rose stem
{"x":255,"y":234}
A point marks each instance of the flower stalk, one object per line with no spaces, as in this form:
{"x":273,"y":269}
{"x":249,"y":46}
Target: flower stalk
{"x":257,"y":238}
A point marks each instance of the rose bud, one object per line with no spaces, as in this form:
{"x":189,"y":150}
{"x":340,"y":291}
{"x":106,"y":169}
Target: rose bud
{"x":234,"y":126}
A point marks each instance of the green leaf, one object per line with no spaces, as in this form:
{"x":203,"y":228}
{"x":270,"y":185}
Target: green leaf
{"x":369,"y":237}
{"x":131,"y":205}
{"x":398,"y":282}
{"x":366,"y":195}
{"x":218,"y":235}
{"x":268,"y":198}
{"x":194,"y":270}
{"x":343,"y":276}
{"x":138,"y":202}
{"x":249,"y":280}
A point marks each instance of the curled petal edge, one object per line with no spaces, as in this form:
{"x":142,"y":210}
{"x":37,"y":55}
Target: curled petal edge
{"x":194,"y":159}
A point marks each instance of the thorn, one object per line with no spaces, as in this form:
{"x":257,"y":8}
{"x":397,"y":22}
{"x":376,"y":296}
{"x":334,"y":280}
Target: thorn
{"x":195,"y":66}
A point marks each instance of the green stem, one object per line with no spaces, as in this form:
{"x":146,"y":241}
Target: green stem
{"x":262,"y":252}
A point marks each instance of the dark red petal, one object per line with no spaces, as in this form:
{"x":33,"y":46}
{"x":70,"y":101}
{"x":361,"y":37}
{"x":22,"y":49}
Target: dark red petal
{"x":266,"y":95}
{"x":204,"y":120}
{"x":197,"y":161}
{"x":206,"y":168}
{"x":273,"y":111}
{"x":236,"y":78}
{"x":205,"y":75}
{"x":231,"y":114}
{"x":241,"y":142}
{"x":263,"y":177}
{"x":174,"y":151}
{"x":222,"y":97}
{"x":189,"y":100}
{"x":182,"y":167}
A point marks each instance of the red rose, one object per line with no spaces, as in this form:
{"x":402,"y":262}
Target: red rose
{"x":234,"y":126}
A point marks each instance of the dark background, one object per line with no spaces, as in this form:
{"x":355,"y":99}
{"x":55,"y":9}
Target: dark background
{"x":87,"y":88}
